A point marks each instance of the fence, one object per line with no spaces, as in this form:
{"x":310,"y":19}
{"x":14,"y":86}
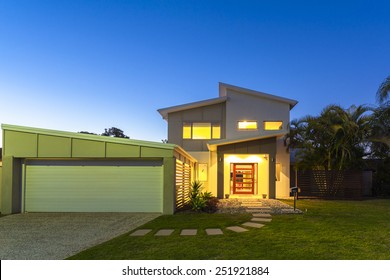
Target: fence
{"x":344,"y":184}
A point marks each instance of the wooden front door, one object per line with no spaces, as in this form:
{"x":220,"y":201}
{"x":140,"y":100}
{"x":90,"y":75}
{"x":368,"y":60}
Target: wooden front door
{"x":243,"y":178}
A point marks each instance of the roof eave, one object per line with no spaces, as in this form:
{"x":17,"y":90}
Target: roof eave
{"x":165,"y":111}
{"x":76,"y":135}
{"x":224,"y":86}
{"x":212,"y":145}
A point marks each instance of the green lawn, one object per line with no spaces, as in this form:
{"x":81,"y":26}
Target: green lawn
{"x":328,"y":230}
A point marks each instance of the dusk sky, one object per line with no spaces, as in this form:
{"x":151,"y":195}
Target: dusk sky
{"x":89,"y":65}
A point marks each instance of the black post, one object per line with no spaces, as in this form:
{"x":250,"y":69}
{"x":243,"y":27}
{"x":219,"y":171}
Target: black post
{"x":295,"y":199}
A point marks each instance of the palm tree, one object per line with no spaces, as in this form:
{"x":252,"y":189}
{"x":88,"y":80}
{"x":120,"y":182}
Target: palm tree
{"x":383,"y":92}
{"x":335,"y":140}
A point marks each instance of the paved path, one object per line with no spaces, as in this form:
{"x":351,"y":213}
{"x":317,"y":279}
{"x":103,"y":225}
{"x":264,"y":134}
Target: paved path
{"x":261,"y":211}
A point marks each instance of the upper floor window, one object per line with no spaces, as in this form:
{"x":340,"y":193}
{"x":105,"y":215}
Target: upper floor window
{"x":247,"y":125}
{"x":201,"y":131}
{"x":273,"y":125}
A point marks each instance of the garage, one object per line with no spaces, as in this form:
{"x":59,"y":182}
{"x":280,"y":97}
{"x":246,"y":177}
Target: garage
{"x":56,"y":171}
{"x":94,"y":186}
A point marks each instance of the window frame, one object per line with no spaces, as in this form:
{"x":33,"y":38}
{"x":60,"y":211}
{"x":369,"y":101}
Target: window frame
{"x":272,"y":121}
{"x":248,"y":129}
{"x":213,"y":125}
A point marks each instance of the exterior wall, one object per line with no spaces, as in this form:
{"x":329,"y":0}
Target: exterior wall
{"x":11,"y":185}
{"x":283,"y":157}
{"x":211,"y":113}
{"x":213,"y":174}
{"x":265,"y":146}
{"x":248,"y":107}
{"x":203,"y":158}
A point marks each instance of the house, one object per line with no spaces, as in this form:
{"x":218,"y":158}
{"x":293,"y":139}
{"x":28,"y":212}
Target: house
{"x":232,"y":143}
{"x":237,"y":140}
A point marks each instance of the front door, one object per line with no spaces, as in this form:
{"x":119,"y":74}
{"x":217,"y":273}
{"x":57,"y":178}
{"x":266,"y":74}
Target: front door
{"x":243,"y":178}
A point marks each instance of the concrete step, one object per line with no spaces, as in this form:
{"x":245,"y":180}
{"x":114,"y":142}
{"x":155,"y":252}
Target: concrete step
{"x":259,"y":215}
{"x":259,"y":211}
{"x":261,"y":220}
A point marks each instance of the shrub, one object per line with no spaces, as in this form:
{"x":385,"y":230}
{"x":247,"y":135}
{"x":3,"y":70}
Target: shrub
{"x":211,"y":205}
{"x":202,"y":201}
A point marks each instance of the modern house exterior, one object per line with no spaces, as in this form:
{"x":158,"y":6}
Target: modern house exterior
{"x":237,"y":140}
{"x":232,"y":143}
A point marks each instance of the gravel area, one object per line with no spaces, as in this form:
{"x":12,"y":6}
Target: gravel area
{"x":53,"y":236}
{"x":234,"y":205}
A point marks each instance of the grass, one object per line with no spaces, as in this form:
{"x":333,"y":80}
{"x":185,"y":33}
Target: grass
{"x":328,"y":230}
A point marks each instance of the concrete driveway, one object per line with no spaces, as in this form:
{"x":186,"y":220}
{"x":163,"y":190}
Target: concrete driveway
{"x":53,"y":236}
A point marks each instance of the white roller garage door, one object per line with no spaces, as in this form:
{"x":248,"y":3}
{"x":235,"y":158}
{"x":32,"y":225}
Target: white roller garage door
{"x":73,"y":186}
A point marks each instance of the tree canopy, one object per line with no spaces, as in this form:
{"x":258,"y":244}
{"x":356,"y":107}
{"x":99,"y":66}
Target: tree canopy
{"x":111,"y":132}
{"x":339,"y":138}
{"x":114,"y":132}
{"x":334,"y":140}
{"x":383,"y":92}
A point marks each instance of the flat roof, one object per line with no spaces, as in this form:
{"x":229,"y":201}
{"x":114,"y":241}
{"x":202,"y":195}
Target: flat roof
{"x":108,"y":139}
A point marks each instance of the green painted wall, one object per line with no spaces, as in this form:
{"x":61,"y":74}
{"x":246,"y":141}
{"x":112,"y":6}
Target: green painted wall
{"x":119,"y":150}
{"x":37,"y":144}
{"x":87,"y":148}
{"x":169,"y":186}
{"x":20,"y":144}
{"x":1,"y":183}
{"x":53,"y":146}
{"x":11,"y":186}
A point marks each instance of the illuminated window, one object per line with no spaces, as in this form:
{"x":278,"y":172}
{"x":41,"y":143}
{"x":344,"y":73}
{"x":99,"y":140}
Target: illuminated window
{"x":272,"y":125}
{"x":247,"y":125}
{"x":186,"y":131}
{"x":201,"y":131}
{"x":216,"y":131}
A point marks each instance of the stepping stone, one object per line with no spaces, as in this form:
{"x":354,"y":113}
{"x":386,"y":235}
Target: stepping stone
{"x":261,"y":220}
{"x":237,"y":229}
{"x":141,"y":232}
{"x":164,"y":232}
{"x":189,"y":232}
{"x":259,"y":215}
{"x":255,"y":225}
{"x":213,"y":231}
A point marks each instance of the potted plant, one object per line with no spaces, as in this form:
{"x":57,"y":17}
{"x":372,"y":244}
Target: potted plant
{"x":264,"y":195}
{"x":227,"y":196}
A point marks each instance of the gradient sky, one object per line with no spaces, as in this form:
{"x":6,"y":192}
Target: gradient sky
{"x":89,"y":65}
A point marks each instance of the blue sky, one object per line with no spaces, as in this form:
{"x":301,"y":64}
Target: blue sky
{"x":89,"y":65}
